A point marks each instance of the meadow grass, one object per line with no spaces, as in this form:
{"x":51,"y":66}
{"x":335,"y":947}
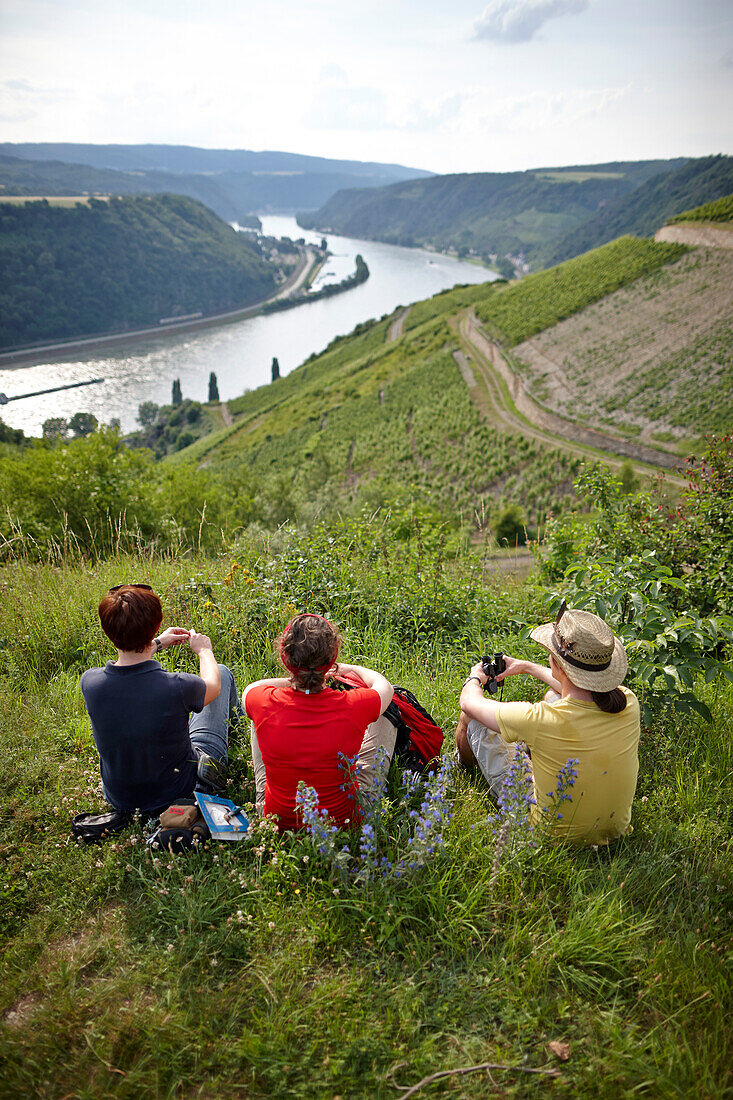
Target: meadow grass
{"x":255,"y":970}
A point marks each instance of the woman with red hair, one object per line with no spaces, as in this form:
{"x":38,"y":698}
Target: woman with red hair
{"x":301,"y":728}
{"x":151,"y":750}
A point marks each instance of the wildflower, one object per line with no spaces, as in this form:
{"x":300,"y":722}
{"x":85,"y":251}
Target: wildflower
{"x":271,"y":924}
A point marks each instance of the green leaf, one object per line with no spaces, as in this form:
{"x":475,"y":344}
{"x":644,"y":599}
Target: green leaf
{"x":702,"y":710}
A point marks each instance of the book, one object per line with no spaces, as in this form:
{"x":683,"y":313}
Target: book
{"x":225,"y":819}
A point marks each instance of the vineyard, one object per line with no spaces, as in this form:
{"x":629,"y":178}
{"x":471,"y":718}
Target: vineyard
{"x":373,"y":421}
{"x":386,"y":423}
{"x":653,"y":361}
{"x":518,"y":311}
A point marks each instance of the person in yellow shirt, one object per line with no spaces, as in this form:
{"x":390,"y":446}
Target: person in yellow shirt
{"x":583,"y":737}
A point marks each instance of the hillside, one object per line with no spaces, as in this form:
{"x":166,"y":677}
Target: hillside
{"x":491,"y":213}
{"x":652,"y":361}
{"x":374,"y":420}
{"x":543,"y":216}
{"x":652,"y":204}
{"x":91,"y":268}
{"x":232,"y":182}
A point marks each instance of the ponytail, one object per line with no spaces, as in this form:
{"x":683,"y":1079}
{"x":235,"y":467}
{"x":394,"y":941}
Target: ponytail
{"x":611,"y":702}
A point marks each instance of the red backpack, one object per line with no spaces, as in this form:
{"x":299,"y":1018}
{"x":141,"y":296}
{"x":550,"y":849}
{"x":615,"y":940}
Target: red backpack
{"x":419,"y":737}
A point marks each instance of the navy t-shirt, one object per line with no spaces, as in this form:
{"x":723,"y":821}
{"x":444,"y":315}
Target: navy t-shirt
{"x":139,"y":717}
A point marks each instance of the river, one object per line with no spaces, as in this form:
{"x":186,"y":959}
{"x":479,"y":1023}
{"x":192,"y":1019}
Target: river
{"x":239,"y":353}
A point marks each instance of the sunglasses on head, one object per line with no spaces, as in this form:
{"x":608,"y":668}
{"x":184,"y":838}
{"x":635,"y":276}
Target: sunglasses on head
{"x":117,"y":587}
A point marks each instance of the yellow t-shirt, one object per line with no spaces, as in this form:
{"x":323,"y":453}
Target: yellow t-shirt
{"x":606,"y":746}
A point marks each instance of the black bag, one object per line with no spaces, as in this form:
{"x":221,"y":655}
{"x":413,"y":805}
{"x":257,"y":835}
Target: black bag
{"x":94,"y":828}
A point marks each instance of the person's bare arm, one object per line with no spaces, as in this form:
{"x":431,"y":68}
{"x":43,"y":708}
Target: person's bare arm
{"x":485,"y":710}
{"x":373,"y":680}
{"x":529,"y":668}
{"x":475,"y":704}
{"x":208,"y":667}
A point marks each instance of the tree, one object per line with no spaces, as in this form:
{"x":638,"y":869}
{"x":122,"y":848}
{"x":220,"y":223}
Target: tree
{"x":505,"y":267}
{"x":213,"y":388}
{"x":10,"y":435}
{"x":55,"y":428}
{"x":176,"y":395}
{"x":83,"y":423}
{"x":511,"y":526}
{"x":629,"y":481}
{"x":147,"y":414}
{"x":275,"y":369}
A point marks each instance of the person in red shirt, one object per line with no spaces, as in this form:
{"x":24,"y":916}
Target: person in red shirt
{"x":300,"y":726}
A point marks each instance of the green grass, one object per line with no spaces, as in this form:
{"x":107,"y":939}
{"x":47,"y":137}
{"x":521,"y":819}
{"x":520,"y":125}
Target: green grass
{"x":252,"y":972}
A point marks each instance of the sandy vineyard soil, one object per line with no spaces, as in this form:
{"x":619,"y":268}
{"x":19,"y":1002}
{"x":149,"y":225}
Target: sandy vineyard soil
{"x":516,"y":411}
{"x":651,"y":362}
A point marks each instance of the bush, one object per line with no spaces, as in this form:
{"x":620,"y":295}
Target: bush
{"x":669,"y":652}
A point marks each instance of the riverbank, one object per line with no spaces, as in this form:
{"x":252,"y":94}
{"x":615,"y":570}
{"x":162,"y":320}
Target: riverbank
{"x":240,"y":353}
{"x":360,"y":276}
{"x":60,"y":349}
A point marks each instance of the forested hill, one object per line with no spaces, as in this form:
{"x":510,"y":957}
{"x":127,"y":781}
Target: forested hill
{"x":233,"y":182}
{"x":102,"y":266}
{"x":525,"y":213}
{"x":652,"y":204}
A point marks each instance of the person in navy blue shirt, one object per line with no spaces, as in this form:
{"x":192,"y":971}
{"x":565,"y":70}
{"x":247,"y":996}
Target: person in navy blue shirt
{"x":149,"y":746}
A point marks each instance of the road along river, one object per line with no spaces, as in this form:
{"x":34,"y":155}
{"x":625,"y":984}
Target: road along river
{"x":240,"y":353}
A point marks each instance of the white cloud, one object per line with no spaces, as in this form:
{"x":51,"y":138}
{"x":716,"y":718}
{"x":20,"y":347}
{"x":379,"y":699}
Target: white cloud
{"x":514,"y":21}
{"x":21,"y":101}
{"x":340,"y":107}
{"x":337,"y":105}
{"x":427,"y":118}
{"x":333,"y":74}
{"x":540,"y":111}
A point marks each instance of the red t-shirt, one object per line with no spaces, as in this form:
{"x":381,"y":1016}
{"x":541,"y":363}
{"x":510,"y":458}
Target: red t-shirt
{"x":300,"y":737}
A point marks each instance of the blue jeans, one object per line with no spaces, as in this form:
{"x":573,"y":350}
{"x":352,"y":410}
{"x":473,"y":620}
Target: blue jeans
{"x":209,"y":730}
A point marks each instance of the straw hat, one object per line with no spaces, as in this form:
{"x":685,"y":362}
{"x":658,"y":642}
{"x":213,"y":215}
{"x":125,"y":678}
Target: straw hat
{"x":585,"y":647}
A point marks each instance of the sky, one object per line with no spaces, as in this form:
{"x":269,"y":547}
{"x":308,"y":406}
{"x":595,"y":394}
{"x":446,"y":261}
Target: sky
{"x":445,"y":85}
